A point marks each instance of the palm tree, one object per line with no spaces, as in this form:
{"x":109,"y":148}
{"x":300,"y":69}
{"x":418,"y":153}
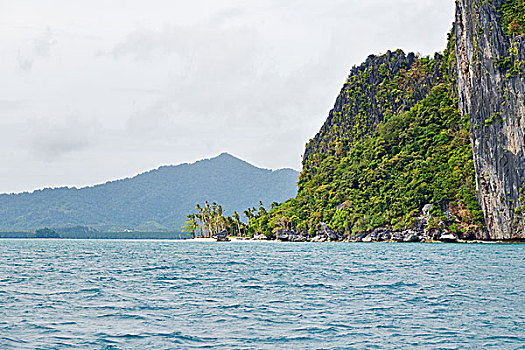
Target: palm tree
{"x":235,"y":216}
{"x":190,"y":225}
{"x":262,"y":209}
{"x":200,"y":217}
{"x":230,"y":224}
{"x":248,"y":213}
{"x":213,"y":218}
{"x":207,"y":217}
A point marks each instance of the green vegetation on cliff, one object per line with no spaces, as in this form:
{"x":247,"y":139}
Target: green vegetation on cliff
{"x":394,"y":142}
{"x":513,"y":16}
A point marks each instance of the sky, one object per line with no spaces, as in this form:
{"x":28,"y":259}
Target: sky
{"x":97,"y":90}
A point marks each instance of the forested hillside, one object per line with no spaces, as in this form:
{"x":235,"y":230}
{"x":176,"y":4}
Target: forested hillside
{"x":394,"y":142}
{"x":157,"y":200}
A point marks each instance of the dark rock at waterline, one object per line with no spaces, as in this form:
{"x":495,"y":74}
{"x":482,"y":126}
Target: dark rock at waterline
{"x":290,"y":236}
{"x":433,"y":234}
{"x":298,"y":238}
{"x":358,"y":237}
{"x":332,"y":235}
{"x":282,"y":235}
{"x":398,"y":237}
{"x":260,"y":237}
{"x":418,"y":233}
{"x":412,"y":238}
{"x":222,"y":236}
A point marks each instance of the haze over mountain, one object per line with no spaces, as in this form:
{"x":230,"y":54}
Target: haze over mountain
{"x":158,"y":199}
{"x":190,"y":78}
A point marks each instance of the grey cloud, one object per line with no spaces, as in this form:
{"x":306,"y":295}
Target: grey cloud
{"x":153,"y":120}
{"x":141,"y":44}
{"x":25,"y":63}
{"x":239,"y":99}
{"x":15,"y":104}
{"x":50,"y":138}
{"x":43,"y":44}
{"x":229,"y":73}
{"x":132,"y":90}
{"x":187,"y":43}
{"x":175,"y":81}
{"x":254,"y":78}
{"x":41,"y":48}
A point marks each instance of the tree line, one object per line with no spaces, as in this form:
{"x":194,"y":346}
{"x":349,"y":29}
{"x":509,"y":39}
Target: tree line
{"x":209,"y":219}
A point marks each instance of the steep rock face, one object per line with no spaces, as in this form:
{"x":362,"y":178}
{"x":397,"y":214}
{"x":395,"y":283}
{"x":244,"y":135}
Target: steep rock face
{"x":491,"y":87}
{"x":394,"y":143}
{"x":382,"y":86}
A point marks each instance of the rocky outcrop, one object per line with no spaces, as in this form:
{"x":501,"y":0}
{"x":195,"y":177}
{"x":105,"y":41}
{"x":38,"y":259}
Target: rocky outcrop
{"x":381,"y":86}
{"x":222,"y":236}
{"x":380,"y":234}
{"x":260,"y":237}
{"x":491,"y":90}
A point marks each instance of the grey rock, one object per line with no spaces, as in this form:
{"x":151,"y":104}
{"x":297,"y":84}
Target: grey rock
{"x":398,"y":237}
{"x":412,"y":238}
{"x":361,"y":235}
{"x":367,"y":239}
{"x":426,"y":210}
{"x":448,"y":237}
{"x":385,"y":236}
{"x":260,"y":237}
{"x":282,"y":235}
{"x":221,"y":236}
{"x":494,"y":101}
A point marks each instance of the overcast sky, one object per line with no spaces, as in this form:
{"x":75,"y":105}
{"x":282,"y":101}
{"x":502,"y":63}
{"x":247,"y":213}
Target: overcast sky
{"x":96,"y":90}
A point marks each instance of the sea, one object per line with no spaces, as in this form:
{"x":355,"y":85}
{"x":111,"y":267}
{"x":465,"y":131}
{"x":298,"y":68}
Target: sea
{"x":126,"y":294}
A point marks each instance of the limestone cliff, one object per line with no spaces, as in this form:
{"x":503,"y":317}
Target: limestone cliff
{"x":393,"y":144}
{"x":444,"y":132}
{"x":491,"y":86}
{"x":383,"y":85}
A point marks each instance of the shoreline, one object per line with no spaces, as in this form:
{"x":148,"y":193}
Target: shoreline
{"x":459,"y":241}
{"x":237,"y":240}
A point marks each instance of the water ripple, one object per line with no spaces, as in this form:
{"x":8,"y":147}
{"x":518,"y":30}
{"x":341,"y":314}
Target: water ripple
{"x":60,"y":294}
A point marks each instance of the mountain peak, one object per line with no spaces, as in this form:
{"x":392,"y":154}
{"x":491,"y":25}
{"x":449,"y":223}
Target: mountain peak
{"x":155,"y":200}
{"x":228,"y":158}
{"x":225,"y":155}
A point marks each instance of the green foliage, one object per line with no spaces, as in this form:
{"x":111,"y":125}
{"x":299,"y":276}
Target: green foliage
{"x":369,"y":171}
{"x":417,"y":157}
{"x":513,"y":17}
{"x":46,"y":233}
{"x":154,"y":201}
{"x":209,"y":220}
{"x":513,"y":22}
{"x":383,"y":86}
{"x":493,"y":117}
{"x":503,"y":64}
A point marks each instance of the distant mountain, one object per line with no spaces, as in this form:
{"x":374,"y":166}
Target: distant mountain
{"x":156,"y":200}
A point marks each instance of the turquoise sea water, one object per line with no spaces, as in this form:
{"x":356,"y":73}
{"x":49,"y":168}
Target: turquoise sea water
{"x":60,"y":294}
